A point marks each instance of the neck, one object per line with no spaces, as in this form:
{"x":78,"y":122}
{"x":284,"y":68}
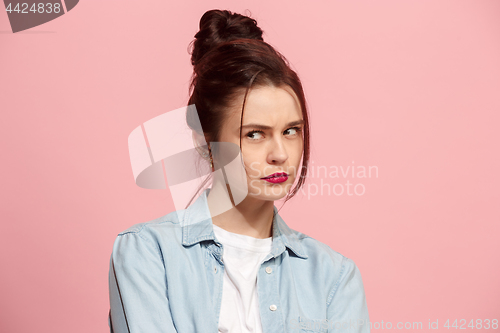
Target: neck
{"x":251,"y":217}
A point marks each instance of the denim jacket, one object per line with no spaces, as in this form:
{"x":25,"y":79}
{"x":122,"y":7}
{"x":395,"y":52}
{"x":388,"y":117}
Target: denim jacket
{"x":166,"y":275}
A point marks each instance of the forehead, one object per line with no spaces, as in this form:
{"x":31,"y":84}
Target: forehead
{"x":268,"y":105}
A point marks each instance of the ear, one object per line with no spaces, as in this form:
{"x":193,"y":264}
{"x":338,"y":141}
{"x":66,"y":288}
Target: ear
{"x":200,"y":145}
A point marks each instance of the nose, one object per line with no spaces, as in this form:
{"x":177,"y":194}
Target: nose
{"x":277,"y":152}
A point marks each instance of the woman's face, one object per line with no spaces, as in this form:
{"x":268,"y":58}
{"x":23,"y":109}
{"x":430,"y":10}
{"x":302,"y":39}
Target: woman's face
{"x":271,"y":139}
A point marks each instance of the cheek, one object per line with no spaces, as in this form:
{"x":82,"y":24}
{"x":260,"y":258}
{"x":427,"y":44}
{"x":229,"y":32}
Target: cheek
{"x":253,"y":164}
{"x":295,"y":156}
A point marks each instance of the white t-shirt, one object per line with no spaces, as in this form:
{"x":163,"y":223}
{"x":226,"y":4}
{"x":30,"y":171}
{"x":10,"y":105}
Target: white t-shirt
{"x":242,"y":256}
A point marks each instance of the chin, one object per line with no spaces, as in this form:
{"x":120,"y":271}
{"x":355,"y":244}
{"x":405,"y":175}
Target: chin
{"x":264,"y":190}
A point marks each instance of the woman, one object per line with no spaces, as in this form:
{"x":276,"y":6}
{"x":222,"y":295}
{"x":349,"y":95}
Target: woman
{"x":227,"y":265}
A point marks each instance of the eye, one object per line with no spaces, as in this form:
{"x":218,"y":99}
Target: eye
{"x":255,"y":135}
{"x":294,"y":130}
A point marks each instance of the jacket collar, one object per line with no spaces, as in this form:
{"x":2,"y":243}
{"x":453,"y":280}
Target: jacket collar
{"x":197,"y":226}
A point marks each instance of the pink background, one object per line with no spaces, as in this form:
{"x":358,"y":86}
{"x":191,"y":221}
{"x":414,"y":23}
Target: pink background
{"x":408,"y":86}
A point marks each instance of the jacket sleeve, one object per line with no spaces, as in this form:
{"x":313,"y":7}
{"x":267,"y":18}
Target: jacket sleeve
{"x":138,"y":287}
{"x":346,"y":305}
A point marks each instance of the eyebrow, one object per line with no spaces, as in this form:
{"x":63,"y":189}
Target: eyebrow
{"x":265,"y":127}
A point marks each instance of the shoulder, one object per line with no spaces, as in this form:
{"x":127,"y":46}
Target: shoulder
{"x":332,"y":264}
{"x":319,"y":251}
{"x":154,"y":230}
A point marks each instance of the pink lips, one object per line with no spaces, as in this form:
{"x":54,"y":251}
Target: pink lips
{"x":278,"y":177}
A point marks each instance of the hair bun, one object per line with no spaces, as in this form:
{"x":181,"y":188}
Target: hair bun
{"x":219,"y":26}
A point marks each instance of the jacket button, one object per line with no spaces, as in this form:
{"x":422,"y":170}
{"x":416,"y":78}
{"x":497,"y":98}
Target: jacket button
{"x":268,"y":270}
{"x":273,"y":307}
{"x":215,"y":269}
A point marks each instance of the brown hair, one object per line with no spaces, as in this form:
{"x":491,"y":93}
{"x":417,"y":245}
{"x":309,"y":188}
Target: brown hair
{"x":229,"y":55}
